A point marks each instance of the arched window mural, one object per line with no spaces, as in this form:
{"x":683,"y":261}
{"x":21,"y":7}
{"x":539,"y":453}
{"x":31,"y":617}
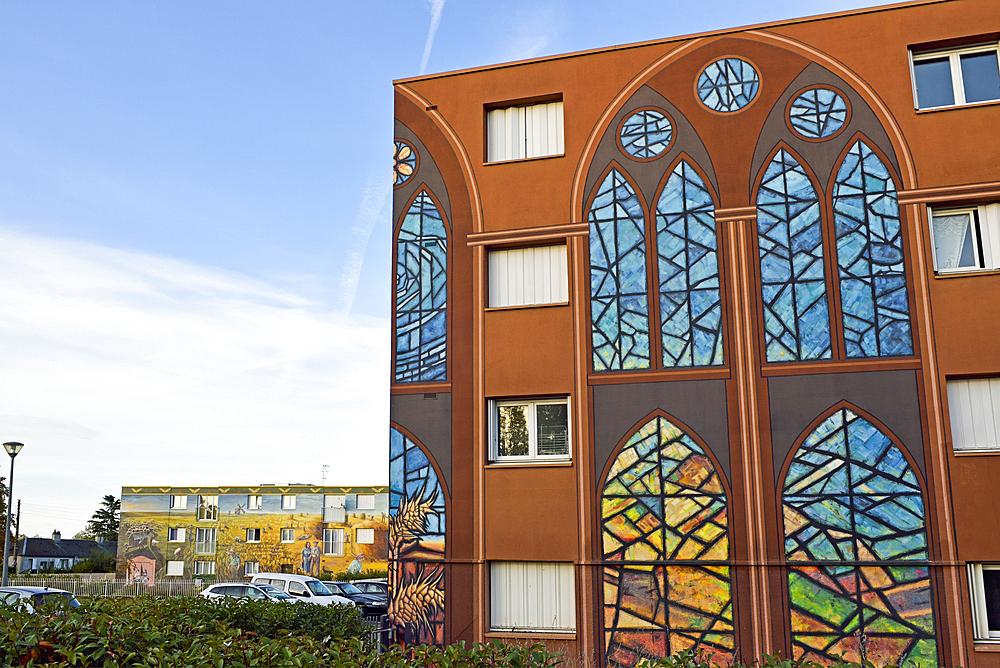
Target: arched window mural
{"x":870,"y":257}
{"x":793,"y":281}
{"x":850,"y":501}
{"x":664,"y":520}
{"x":619,"y":302}
{"x":416,"y":543}
{"x":421,"y":294}
{"x":688,"y":270}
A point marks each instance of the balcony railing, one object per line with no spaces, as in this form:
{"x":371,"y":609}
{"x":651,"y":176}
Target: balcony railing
{"x":204,"y":547}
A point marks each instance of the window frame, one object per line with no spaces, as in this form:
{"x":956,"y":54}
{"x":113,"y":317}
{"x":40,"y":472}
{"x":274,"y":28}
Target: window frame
{"x":523,"y":109}
{"x":357,"y":536}
{"x":358,"y":505}
{"x":288,"y":502}
{"x":532,"y":456}
{"x":206,"y":541}
{"x":290,"y":540}
{"x":986,"y":228}
{"x":251,"y":567}
{"x":981,"y":631}
{"x":256,"y":532}
{"x":954,"y":56}
{"x":332,"y":543}
{"x":498,"y":265}
{"x":255,"y":501}
{"x":178,"y":502}
{"x":204,"y":568}
{"x":172,"y":565}
{"x":563,"y":572}
{"x":208,"y":507}
{"x":180,"y":534}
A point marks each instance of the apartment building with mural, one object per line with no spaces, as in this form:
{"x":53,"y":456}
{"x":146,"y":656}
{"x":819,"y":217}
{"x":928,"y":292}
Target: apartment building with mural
{"x":696,"y":344}
{"x":230,"y":533}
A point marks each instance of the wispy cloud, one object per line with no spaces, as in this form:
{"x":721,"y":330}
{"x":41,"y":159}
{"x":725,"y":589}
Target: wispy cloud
{"x":373,"y":200}
{"x":532,"y":31}
{"x":437,"y":6}
{"x":123,"y":368}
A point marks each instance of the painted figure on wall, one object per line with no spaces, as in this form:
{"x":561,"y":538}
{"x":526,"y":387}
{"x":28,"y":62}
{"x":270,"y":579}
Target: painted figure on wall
{"x":416,"y":544}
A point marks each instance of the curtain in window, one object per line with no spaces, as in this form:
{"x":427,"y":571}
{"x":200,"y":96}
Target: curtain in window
{"x":856,"y":548}
{"x":416,"y":543}
{"x":688,"y":271}
{"x":953,"y":241}
{"x":664,"y":520}
{"x":793,"y":281}
{"x":421,"y":294}
{"x":619,"y":302}
{"x":870,"y":257}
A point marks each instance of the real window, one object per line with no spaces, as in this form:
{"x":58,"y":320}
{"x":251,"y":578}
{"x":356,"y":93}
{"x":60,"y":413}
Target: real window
{"x":974,"y":408}
{"x":208,"y":507}
{"x":254,"y":501}
{"x":251,"y":567}
{"x":528,"y":276}
{"x":204,"y":542}
{"x":288,"y":535}
{"x":984,"y":587}
{"x":204,"y":568}
{"x":365,"y":536}
{"x":253,"y":535}
{"x":366,"y":502}
{"x":333,"y":542}
{"x":530,"y":131}
{"x":524,"y":430}
{"x":966,"y":239}
{"x":176,"y":535}
{"x":288,"y":502}
{"x":178,"y":502}
{"x":532,"y":596}
{"x":175,"y":568}
{"x":955,"y":77}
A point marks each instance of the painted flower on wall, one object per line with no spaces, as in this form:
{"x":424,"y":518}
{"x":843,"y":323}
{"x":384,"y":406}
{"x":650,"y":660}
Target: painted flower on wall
{"x":404,"y":162}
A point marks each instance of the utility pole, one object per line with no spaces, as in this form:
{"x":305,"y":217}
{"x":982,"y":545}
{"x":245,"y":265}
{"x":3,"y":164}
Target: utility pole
{"x":17,"y":532}
{"x":326,"y":467}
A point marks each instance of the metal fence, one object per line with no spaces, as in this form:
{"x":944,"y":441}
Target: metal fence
{"x":106,"y":588}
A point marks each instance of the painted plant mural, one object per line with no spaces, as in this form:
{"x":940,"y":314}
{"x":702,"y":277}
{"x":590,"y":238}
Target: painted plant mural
{"x":856,"y":546}
{"x":416,"y":543}
{"x":664,"y":517}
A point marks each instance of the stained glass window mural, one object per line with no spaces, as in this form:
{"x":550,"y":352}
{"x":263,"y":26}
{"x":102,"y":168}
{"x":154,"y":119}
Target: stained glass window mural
{"x":793,"y":278}
{"x":818,"y":113}
{"x":404,"y":162}
{"x":856,"y":548}
{"x":870,"y":257}
{"x":421,"y":294}
{"x":619,"y":303}
{"x":688,"y":271}
{"x":728,"y":85}
{"x":416,"y":543}
{"x":646,"y":134}
{"x":665,"y":533}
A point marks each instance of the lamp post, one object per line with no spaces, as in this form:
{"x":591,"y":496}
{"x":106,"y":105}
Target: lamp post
{"x":12,"y":449}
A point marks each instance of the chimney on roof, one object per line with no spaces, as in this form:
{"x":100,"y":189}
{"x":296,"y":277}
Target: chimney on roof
{"x":56,"y":536}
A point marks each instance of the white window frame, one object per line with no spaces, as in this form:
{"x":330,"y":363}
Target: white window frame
{"x":364,"y":536}
{"x":251,"y":567}
{"x":532,"y":596}
{"x":525,"y":131}
{"x":254,"y":501}
{"x":175,"y":568}
{"x":178,"y":502}
{"x":365,"y":502}
{"x":330,"y":543}
{"x":981,"y":630}
{"x":206,"y":541}
{"x":529,"y":276}
{"x":985,"y":219}
{"x":954,"y":57}
{"x":288,"y":502}
{"x":253,"y":535}
{"x":178,"y":533}
{"x":208,"y":507}
{"x":532,"y":456}
{"x":974,"y":414}
{"x":204,"y":568}
{"x":287,"y":531}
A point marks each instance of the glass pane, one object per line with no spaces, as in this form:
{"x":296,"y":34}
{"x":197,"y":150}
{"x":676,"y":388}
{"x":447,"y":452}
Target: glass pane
{"x":981,"y":77}
{"x":551,"y":422}
{"x":513,"y":423}
{"x":991,"y":588}
{"x":933,"y":83}
{"x":953,"y":241}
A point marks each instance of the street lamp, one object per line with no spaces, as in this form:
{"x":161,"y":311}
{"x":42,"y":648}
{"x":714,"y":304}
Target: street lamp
{"x":12,"y":449}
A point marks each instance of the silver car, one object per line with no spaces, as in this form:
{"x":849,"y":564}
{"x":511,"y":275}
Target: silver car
{"x":253,"y":592}
{"x":36,"y":599}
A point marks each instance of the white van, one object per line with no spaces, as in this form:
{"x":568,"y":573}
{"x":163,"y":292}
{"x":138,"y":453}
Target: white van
{"x":303,"y":587}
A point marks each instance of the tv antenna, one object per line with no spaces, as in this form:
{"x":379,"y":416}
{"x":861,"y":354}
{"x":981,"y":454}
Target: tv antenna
{"x":326,"y":467}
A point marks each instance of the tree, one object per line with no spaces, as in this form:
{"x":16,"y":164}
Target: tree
{"x":105,"y":520}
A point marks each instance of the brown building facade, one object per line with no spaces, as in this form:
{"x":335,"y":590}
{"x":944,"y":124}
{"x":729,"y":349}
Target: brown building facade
{"x":696,"y":345}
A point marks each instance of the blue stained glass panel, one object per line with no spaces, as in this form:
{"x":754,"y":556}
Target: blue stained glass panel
{"x":728,"y":85}
{"x":850,"y":495}
{"x":873,"y":289}
{"x":619,"y":307}
{"x":646,"y":134}
{"x":818,"y":113}
{"x":793,"y":278}
{"x":688,"y":271}
{"x":421,"y":294}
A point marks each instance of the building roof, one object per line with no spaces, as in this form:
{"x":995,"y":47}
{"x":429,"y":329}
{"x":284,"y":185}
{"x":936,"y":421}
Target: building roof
{"x":63,"y":548}
{"x":258,"y":489}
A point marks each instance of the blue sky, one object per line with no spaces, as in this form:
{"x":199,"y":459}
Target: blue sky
{"x":195,"y":225}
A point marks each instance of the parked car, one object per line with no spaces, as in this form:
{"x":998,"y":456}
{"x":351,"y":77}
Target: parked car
{"x":246,"y":590}
{"x":303,"y":587}
{"x":36,"y":599}
{"x":372,"y":604}
{"x":377,"y":586}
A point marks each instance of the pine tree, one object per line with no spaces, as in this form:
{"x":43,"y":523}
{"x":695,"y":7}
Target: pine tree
{"x":104,"y":522}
